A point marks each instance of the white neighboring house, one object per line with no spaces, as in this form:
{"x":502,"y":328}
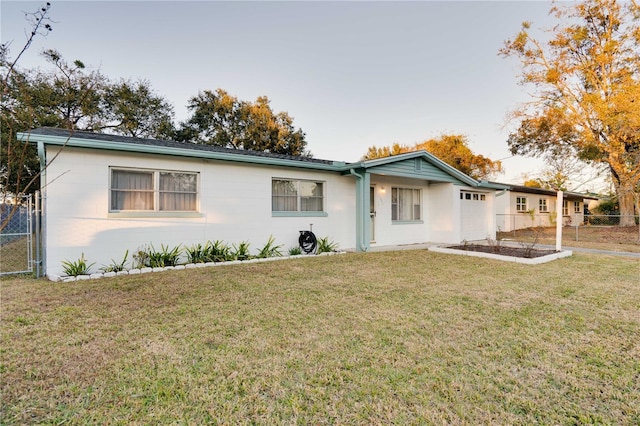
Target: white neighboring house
{"x":520,"y":207}
{"x":105,"y":194}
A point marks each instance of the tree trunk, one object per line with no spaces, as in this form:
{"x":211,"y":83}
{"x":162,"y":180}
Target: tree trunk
{"x":626,"y":199}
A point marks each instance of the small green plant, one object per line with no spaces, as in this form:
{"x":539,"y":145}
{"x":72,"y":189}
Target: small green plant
{"x":270,"y":249}
{"x":196,"y":253}
{"x":115,"y":266}
{"x":79,"y":267}
{"x":164,"y":257}
{"x":326,"y":246}
{"x":218,"y":251}
{"x":241,"y":251}
{"x":295,"y":251}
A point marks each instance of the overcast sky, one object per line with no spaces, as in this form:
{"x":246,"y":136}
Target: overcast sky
{"x":351,"y":74}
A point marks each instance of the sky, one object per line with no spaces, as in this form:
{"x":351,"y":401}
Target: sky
{"x":351,"y":74}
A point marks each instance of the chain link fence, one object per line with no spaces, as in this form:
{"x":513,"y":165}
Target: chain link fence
{"x":18,"y":238}
{"x":596,"y":231}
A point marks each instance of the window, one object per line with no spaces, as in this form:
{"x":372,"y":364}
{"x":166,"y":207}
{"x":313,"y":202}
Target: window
{"x":465,"y":195}
{"x":288,"y":195}
{"x":576,"y":206}
{"x":521,"y":204}
{"x":405,"y":204}
{"x":565,"y":208}
{"x":153,"y":190}
{"x":542,"y":206}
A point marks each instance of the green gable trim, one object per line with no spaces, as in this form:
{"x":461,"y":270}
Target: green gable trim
{"x":407,"y":169}
{"x":405,"y":165}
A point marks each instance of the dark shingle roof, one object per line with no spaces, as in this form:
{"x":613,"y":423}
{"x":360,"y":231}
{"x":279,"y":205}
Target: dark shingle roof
{"x":81,"y":134}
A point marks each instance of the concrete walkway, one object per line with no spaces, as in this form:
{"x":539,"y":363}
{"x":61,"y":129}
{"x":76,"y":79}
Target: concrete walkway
{"x":425,"y":246}
{"x":595,"y":251}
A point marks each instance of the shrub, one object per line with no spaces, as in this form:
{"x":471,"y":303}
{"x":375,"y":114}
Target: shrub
{"x":241,"y":251}
{"x":295,"y":251}
{"x":164,"y":257}
{"x":218,"y":251}
{"x":270,"y":249}
{"x":115,"y":266}
{"x":326,"y":246}
{"x":79,"y":267}
{"x":196,"y":253}
{"x":150,"y":257}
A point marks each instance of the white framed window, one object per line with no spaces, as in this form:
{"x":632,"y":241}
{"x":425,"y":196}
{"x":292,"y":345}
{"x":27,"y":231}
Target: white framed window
{"x":565,"y":208}
{"x":152,"y":190}
{"x":576,"y":206}
{"x":405,"y":204}
{"x":466,"y":195}
{"x":521,"y":204}
{"x":295,"y":195}
{"x":543,"y":207}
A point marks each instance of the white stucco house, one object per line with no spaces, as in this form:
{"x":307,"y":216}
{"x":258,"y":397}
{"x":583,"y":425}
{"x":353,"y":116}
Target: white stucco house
{"x":105,"y":194}
{"x":520,"y":207}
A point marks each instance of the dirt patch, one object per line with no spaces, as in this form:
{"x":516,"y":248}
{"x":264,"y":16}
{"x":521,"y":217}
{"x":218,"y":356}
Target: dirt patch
{"x":523,"y":252}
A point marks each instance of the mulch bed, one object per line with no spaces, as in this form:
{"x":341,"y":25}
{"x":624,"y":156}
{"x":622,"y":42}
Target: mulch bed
{"x":524,"y":252}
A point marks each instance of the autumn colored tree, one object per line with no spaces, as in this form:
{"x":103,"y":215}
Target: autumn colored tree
{"x":386,"y":151}
{"x":586,"y":92}
{"x":221,"y":119}
{"x":452,"y":149}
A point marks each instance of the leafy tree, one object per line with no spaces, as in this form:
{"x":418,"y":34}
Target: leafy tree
{"x":386,"y":151}
{"x":221,"y":119}
{"x":19,"y":166}
{"x":586,"y":101}
{"x":532,"y":183}
{"x":452,"y":149}
{"x":72,"y":97}
{"x":133,"y":109}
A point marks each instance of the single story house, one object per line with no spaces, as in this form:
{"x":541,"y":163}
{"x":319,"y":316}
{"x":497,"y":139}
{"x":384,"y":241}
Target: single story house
{"x":520,"y":207}
{"x":105,"y":194}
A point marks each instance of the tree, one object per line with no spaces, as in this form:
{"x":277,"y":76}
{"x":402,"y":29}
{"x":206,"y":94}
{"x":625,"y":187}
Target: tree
{"x":19,"y":166}
{"x":71,"y":96}
{"x":221,"y":119}
{"x":586,"y":100}
{"x":386,"y":151}
{"x":133,"y":109}
{"x":452,"y":149}
{"x":567,"y":174}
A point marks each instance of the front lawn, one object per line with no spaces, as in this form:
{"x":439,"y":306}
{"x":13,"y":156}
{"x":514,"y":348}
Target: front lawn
{"x":409,"y":337}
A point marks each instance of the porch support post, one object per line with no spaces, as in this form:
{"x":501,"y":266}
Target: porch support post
{"x":559,"y":221}
{"x":363,"y":182}
{"x":366,"y":212}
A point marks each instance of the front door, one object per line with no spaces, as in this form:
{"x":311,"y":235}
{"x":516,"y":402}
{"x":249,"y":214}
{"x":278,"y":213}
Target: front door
{"x":372,"y":213}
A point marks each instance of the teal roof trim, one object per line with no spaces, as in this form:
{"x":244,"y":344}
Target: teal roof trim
{"x":80,"y":142}
{"x":380,"y":164}
{"x":432,"y":168}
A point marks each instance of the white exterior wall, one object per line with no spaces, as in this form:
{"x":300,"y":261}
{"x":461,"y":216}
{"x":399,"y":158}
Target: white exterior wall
{"x":234,"y":202}
{"x":388,"y":232}
{"x":477,"y":217}
{"x":444,"y":213}
{"x":509,"y":219}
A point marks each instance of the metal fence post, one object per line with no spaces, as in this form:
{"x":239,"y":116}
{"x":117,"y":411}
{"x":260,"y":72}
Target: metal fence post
{"x":37,"y":235}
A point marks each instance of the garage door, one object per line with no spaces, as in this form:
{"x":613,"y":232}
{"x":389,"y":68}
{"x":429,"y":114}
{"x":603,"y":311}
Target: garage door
{"x":475,"y":215}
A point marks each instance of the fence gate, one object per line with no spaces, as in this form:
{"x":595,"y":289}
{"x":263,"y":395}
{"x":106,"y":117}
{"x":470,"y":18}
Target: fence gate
{"x":20,"y":237}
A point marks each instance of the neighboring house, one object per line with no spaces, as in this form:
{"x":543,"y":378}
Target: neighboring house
{"x":521,"y":207}
{"x":106,"y":194}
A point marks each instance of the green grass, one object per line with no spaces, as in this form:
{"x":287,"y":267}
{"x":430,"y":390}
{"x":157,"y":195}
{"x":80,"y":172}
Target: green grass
{"x":408,"y":337}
